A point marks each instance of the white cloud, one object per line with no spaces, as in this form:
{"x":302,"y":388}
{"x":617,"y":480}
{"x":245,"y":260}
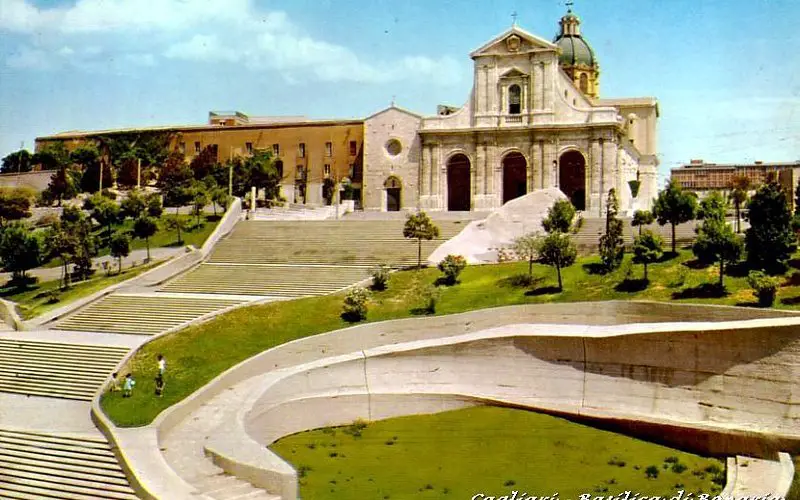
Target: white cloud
{"x":30,"y":58}
{"x":200,"y":31}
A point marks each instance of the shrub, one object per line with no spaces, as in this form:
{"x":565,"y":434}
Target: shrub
{"x":764,"y":287}
{"x":380,"y":277}
{"x":355,"y":305}
{"x":451,"y":266}
{"x":651,"y":472}
{"x":678,"y":467}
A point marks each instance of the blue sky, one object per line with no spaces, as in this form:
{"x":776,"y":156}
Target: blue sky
{"x":725,"y":72}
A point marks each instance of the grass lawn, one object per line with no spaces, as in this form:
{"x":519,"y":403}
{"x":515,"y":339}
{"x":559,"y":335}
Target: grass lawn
{"x":487,"y":450}
{"x":195,"y":235}
{"x":35,"y":299}
{"x":199,"y":353}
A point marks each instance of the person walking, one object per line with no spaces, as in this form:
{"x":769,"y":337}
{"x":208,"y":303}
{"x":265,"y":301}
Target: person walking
{"x":162,"y":365}
{"x":127,"y":388}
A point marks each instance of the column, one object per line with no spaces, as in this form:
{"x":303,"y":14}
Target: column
{"x":424,"y":169}
{"x":593,"y":193}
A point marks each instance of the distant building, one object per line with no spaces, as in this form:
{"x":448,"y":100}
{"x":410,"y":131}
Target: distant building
{"x":702,"y":177}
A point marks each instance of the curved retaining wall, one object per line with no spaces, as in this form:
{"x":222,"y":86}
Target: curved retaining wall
{"x":730,"y":377}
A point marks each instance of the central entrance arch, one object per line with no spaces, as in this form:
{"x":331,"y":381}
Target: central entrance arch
{"x":458,"y":184}
{"x":393,"y":190}
{"x":572,"y":178}
{"x":515,"y":176}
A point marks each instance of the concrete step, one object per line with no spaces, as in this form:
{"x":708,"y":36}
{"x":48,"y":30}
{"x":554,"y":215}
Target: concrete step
{"x":39,"y":465}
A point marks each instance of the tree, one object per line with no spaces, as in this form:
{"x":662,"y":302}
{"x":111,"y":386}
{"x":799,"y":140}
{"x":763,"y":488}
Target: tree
{"x":451,"y":266}
{"x":144,"y":228}
{"x":674,"y":206}
{"x":154,"y":208}
{"x":175,"y":181}
{"x":420,"y":227}
{"x":128,"y":170}
{"x":63,"y":185}
{"x":713,"y":206}
{"x":769,"y":240}
{"x":612,"y":247}
{"x":199,"y":198}
{"x":557,"y":250}
{"x":134,"y":205}
{"x":219,"y":196}
{"x":120,"y":247}
{"x":642,"y":218}
{"x":15,"y":204}
{"x":104,"y":211}
{"x":264,"y":174}
{"x":52,"y":156}
{"x":526,"y":247}
{"x":86,"y":248}
{"x":88,"y":158}
{"x":204,"y":164}
{"x":716,"y":241}
{"x":740,"y":184}
{"x":178,"y":225}
{"x":21,"y":249}
{"x":16,"y":162}
{"x":328,"y":187}
{"x":61,"y":243}
{"x":559,"y":217}
{"x":647,"y":249}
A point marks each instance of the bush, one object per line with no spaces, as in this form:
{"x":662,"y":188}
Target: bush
{"x":355,"y":305}
{"x":380,"y":277}
{"x":651,"y":472}
{"x":451,"y":266}
{"x":765,"y":288}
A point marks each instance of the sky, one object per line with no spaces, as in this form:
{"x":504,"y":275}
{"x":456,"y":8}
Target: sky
{"x":726,"y":73}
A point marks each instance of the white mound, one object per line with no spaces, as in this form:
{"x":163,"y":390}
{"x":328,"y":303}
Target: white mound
{"x":477,"y":241}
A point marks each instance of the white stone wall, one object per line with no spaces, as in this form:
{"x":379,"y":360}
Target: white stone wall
{"x":379,"y":129}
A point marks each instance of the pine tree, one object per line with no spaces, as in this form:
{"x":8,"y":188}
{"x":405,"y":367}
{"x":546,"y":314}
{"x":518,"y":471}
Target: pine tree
{"x":612,"y":247}
{"x":769,"y":241}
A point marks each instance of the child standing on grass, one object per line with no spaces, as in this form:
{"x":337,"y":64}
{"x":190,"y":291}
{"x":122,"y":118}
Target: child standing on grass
{"x":114,"y":383}
{"x":162,"y":365}
{"x":127,"y":388}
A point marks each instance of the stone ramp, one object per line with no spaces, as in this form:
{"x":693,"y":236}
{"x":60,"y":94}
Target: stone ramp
{"x":50,"y":369}
{"x":141,"y":314}
{"x":266,"y":280}
{"x":40,"y":465}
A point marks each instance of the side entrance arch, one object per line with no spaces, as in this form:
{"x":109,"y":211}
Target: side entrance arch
{"x":458,"y":183}
{"x":394,"y":191}
{"x":572,"y":178}
{"x":515,"y":176}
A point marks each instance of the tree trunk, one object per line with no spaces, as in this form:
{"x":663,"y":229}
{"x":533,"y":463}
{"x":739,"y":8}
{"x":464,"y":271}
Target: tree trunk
{"x":673,"y":238}
{"x":178,"y":224}
{"x":119,"y":262}
{"x":560,"y":284}
{"x":530,"y":267}
{"x":419,"y":253}
{"x":147,"y":243}
{"x":738,"y":220}
{"x":721,"y":273}
{"x":645,"y":271}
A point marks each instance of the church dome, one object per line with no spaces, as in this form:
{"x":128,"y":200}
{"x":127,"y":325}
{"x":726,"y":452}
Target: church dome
{"x":575,"y":50}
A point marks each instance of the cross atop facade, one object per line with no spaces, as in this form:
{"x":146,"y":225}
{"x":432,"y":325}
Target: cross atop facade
{"x":569,"y":5}
{"x":514,"y":18}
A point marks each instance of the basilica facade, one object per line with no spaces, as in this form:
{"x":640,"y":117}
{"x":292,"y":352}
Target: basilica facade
{"x":533,"y":120}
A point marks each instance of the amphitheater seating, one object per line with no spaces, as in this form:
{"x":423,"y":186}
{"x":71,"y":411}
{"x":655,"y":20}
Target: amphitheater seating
{"x":267,"y":280}
{"x":36,"y":466}
{"x":140,"y":314}
{"x":70,"y":371}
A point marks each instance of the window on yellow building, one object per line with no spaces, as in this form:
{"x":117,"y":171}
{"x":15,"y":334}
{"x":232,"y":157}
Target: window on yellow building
{"x":249,"y":147}
{"x":353,"y":148}
{"x":301,"y":150}
{"x":328,"y":149}
{"x":182,"y":148}
{"x":197,"y":147}
{"x":276,"y":150}
{"x":327,"y":171}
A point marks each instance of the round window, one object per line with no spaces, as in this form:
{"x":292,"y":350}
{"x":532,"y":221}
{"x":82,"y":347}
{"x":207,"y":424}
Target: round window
{"x":393,"y":147}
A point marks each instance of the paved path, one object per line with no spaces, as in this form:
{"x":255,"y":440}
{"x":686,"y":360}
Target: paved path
{"x":138,"y":256}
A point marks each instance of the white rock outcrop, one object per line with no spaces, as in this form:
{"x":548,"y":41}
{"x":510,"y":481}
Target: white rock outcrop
{"x":477,"y":242}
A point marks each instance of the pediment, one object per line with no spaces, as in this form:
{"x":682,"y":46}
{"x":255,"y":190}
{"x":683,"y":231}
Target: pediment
{"x":515,"y":40}
{"x":514,"y":73}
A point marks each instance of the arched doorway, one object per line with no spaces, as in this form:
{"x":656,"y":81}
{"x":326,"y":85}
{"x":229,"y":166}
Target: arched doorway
{"x":458,"y":198}
{"x":515,"y":176}
{"x":394,"y":189}
{"x":572,"y":178}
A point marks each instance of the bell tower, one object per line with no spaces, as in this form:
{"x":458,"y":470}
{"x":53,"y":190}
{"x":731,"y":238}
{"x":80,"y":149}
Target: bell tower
{"x":577,"y":58}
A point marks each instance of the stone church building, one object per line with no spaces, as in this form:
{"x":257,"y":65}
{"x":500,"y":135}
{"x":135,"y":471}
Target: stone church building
{"x":533,"y":120}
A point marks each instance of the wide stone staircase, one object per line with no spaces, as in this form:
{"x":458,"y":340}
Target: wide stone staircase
{"x":36,"y":465}
{"x":59,"y":370}
{"x":588,"y":237}
{"x":141,"y":314}
{"x":305,"y":258}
